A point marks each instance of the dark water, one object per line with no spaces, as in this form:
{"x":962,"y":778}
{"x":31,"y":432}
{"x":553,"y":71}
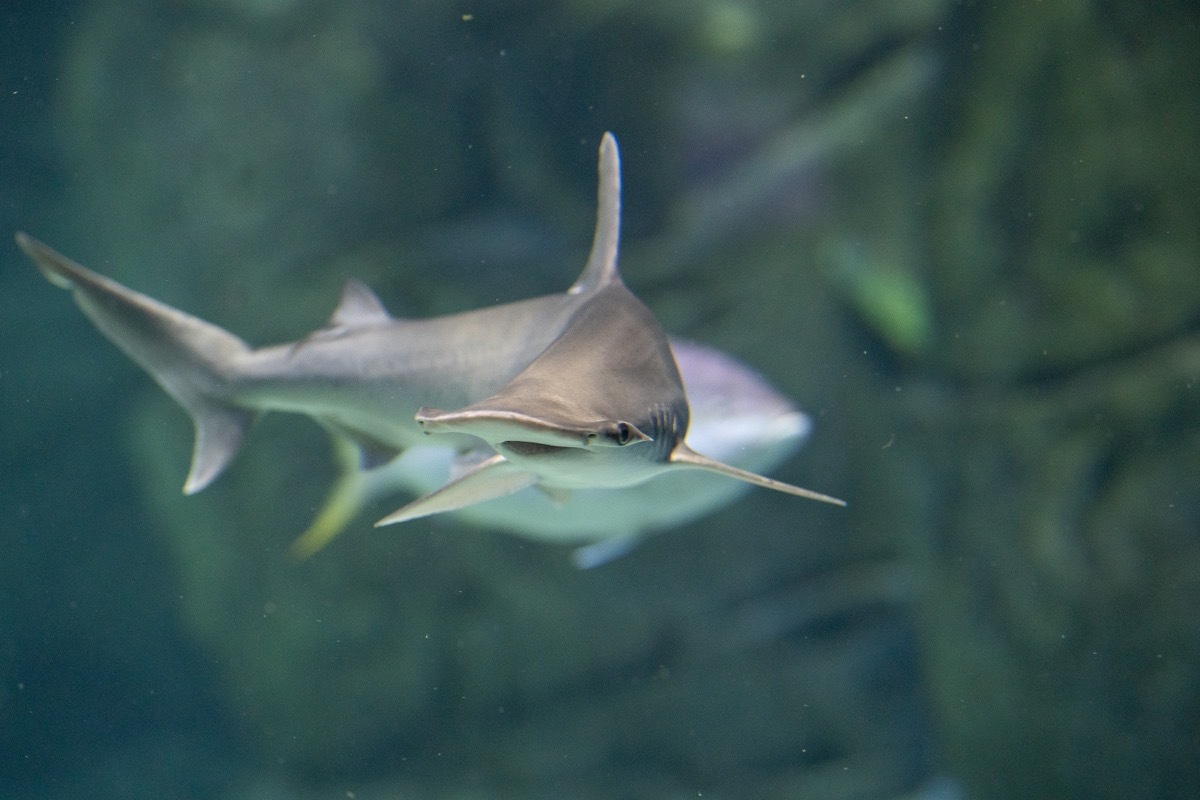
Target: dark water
{"x":961,"y":238}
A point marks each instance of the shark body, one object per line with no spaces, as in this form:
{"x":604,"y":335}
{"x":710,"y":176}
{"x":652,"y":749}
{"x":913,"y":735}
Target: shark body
{"x":571,"y":391}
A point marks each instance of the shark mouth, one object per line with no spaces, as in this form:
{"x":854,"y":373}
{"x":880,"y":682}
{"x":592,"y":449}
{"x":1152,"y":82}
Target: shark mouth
{"x":533,"y":448}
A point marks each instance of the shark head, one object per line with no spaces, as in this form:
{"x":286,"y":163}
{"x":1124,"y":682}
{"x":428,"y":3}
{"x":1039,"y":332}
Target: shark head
{"x":603,"y":406}
{"x":566,"y":447}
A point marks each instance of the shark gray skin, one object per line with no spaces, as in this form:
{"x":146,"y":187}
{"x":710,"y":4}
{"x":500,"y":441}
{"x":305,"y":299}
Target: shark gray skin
{"x":574,"y":390}
{"x":736,"y":416}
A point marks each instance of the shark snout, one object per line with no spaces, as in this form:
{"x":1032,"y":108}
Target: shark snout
{"x":428,"y":419}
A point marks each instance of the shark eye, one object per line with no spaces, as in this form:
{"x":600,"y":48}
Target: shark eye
{"x":616,"y":434}
{"x":624,"y":433}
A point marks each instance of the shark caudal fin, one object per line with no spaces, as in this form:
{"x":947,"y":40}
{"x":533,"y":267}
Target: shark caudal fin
{"x":190,"y":358}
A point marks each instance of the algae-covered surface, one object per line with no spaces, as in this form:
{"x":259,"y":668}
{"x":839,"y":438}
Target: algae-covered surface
{"x":961,"y":236}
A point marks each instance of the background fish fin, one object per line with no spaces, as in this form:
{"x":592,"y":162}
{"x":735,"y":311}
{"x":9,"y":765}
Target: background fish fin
{"x":352,"y":490}
{"x":605,"y":550}
{"x":366,"y":451}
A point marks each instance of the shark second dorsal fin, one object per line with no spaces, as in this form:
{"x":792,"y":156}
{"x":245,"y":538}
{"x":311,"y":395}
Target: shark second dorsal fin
{"x":601,"y":267}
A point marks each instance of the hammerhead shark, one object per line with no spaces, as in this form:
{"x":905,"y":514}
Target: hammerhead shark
{"x":578,"y":390}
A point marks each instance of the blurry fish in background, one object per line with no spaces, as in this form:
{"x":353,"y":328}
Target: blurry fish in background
{"x":777,"y":174}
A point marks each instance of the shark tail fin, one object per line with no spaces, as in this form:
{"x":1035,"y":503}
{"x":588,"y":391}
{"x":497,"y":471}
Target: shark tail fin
{"x":190,"y":358}
{"x":684,"y":456}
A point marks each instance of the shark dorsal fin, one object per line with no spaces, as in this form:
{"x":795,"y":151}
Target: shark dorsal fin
{"x":601,"y":267}
{"x":358,"y":306}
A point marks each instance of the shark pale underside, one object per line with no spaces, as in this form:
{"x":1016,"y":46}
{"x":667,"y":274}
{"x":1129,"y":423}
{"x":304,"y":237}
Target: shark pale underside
{"x":577,"y":390}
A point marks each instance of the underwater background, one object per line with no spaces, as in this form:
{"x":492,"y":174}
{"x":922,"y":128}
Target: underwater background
{"x":963,"y":236}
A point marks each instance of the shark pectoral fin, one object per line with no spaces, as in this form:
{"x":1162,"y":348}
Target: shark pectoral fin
{"x":219,"y":433}
{"x":495,"y":477}
{"x":684,"y":456}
